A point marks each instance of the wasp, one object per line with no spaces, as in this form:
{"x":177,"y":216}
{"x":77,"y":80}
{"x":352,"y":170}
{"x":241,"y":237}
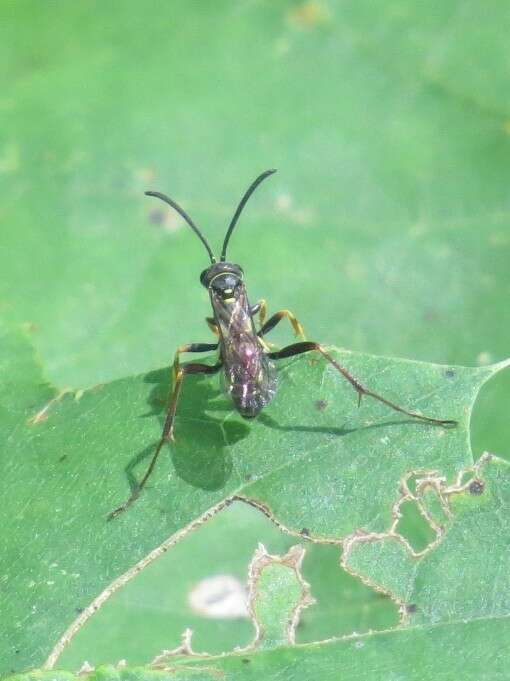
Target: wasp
{"x":247,"y":362}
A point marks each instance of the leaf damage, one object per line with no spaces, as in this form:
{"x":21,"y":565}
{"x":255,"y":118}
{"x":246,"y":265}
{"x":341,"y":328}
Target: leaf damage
{"x":43,"y":413}
{"x":272,"y":579}
{"x":387,"y":562}
{"x":94,"y":606}
{"x":291,"y":562}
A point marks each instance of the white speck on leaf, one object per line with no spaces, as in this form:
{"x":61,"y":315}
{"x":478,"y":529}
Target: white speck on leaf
{"x":219,"y":597}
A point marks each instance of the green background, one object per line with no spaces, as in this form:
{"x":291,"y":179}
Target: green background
{"x":385,"y":230}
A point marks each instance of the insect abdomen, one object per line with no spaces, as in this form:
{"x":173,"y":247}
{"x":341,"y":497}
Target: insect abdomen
{"x":250,"y":382}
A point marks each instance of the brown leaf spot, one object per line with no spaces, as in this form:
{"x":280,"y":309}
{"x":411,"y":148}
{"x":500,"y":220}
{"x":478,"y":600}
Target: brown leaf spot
{"x":476,"y":487}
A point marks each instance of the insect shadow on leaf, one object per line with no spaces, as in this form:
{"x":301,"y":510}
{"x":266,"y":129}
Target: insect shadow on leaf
{"x":338,"y":431}
{"x":203,"y":458}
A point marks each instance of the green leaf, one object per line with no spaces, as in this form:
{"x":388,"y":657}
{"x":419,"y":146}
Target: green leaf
{"x":329,"y":470}
{"x":278,"y":594}
{"x":158,"y":616}
{"x":462,"y":576}
{"x":156,"y":602}
{"x":459,"y":627}
{"x":411,"y":654}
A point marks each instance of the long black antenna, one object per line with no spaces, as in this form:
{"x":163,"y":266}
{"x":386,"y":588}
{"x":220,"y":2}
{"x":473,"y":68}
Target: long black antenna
{"x":239,"y":210}
{"x":184,"y":215}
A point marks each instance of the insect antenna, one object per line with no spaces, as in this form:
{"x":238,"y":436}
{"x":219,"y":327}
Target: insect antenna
{"x":240,"y":207}
{"x":184,"y":215}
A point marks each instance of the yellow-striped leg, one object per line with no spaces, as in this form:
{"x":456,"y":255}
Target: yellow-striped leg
{"x":260,"y":308}
{"x":211,"y":323}
{"x":277,"y":317}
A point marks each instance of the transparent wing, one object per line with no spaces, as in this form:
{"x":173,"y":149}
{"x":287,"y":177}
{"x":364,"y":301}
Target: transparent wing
{"x":250,"y":376}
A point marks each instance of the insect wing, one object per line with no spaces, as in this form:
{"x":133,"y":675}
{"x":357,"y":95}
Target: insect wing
{"x":250,"y":376}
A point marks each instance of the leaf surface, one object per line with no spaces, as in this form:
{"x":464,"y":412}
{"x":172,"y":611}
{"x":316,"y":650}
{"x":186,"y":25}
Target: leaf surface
{"x":459,"y":627}
{"x":65,"y":460}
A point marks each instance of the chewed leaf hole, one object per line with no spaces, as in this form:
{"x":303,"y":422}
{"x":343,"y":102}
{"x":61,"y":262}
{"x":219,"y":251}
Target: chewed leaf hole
{"x":343,"y":603}
{"x":211,"y":597}
{"x":177,"y":591}
{"x":414,"y":527}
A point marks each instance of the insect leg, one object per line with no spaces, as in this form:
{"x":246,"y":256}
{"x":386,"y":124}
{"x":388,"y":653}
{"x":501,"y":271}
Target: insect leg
{"x":299,"y":348}
{"x":211,"y":323}
{"x":190,"y":347}
{"x":179,"y":371}
{"x":261,"y":309}
{"x":276,"y":318}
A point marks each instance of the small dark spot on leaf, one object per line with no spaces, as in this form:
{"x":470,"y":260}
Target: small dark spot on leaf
{"x":305,"y":532}
{"x":248,"y":477}
{"x":411,"y":607}
{"x":80,"y":610}
{"x":476,"y":487}
{"x":62,"y":458}
{"x":321,"y":405}
{"x":157,"y":216}
{"x":17,"y":652}
{"x":449,"y":373}
{"x":246,"y":660}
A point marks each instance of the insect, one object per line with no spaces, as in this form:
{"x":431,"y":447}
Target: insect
{"x":246,"y":360}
